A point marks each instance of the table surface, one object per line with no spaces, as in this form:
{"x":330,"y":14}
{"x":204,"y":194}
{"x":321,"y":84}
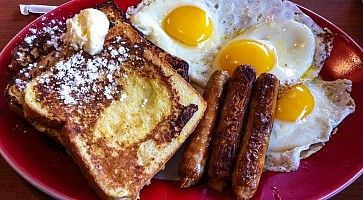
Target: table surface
{"x":348,"y":15}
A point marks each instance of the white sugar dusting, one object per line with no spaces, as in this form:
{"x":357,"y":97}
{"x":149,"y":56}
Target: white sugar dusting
{"x":144,"y":102}
{"x":33,"y":30}
{"x":21,"y":83}
{"x":123,"y":97}
{"x":108,"y":92}
{"x":29,"y":40}
{"x":78,"y":79}
{"x":50,"y":29}
{"x":82,"y":78}
{"x":47,"y":37}
{"x":65,"y":94}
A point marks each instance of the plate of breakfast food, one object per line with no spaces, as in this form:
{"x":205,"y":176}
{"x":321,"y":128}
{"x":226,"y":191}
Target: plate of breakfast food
{"x":163,"y":99}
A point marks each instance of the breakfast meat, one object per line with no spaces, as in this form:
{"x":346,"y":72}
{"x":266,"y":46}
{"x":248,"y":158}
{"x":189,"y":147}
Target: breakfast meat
{"x":228,"y":133}
{"x":193,"y":163}
{"x":273,"y":36}
{"x":251,"y":157}
{"x":305,"y":118}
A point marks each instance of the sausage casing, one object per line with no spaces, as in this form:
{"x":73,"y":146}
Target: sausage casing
{"x":251,"y":158}
{"x":227,"y":136}
{"x":195,"y":156}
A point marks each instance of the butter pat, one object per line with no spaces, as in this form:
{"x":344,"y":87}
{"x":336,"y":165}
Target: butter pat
{"x":87,"y":30}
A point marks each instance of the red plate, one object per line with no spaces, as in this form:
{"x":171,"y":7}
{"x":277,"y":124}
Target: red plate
{"x":48,"y":167}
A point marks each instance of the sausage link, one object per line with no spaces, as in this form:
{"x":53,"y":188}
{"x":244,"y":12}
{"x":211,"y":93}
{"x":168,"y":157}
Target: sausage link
{"x":251,"y":157}
{"x":193,"y":163}
{"x":227,"y":136}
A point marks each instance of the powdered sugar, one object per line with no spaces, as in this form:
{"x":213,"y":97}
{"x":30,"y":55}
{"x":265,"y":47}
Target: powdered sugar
{"x":33,"y":30}
{"x":51,"y":29}
{"x":144,"y":102}
{"x":123,"y":97}
{"x":29,"y":40}
{"x":22,"y":81}
{"x":83,"y":78}
{"x":65,"y":94}
{"x":40,"y":42}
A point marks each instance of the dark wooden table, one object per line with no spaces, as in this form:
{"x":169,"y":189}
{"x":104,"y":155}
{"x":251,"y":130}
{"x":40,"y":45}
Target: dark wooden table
{"x":347,"y":14}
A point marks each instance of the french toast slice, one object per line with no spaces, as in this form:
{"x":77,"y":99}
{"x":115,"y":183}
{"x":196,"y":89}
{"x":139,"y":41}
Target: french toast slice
{"x":34,"y":55}
{"x":30,"y":60}
{"x":122,"y":113}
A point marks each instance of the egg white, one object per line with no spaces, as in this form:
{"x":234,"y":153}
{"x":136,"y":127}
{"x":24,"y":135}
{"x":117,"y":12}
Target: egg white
{"x":149,"y":20}
{"x":293,"y":45}
{"x":289,"y":139}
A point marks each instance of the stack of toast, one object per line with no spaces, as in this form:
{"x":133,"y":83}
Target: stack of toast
{"x":121,"y":114}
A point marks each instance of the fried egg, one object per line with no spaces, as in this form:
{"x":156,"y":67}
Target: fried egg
{"x":187,"y":29}
{"x":305,"y":117}
{"x":200,"y":31}
{"x":285,"y":49}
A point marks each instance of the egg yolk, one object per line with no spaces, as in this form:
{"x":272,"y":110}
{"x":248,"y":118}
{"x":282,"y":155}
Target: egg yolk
{"x":251,"y":52}
{"x":295,"y":104}
{"x":188,"y":24}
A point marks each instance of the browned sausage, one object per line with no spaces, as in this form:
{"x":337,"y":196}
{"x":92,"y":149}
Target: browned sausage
{"x":251,"y":157}
{"x":227,"y":136}
{"x":193,"y":163}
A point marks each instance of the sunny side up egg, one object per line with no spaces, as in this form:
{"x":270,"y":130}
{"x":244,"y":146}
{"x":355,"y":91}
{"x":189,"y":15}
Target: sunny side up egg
{"x":187,"y":29}
{"x":305,"y":117}
{"x":285,"y":49}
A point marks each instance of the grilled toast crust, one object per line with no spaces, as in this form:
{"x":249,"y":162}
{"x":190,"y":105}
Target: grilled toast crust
{"x":124,"y":131}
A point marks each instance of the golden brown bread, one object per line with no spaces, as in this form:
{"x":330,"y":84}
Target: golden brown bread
{"x":251,"y":158}
{"x":228,"y":133}
{"x":125,"y":112}
{"x":31,"y":60}
{"x":194,"y":159}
